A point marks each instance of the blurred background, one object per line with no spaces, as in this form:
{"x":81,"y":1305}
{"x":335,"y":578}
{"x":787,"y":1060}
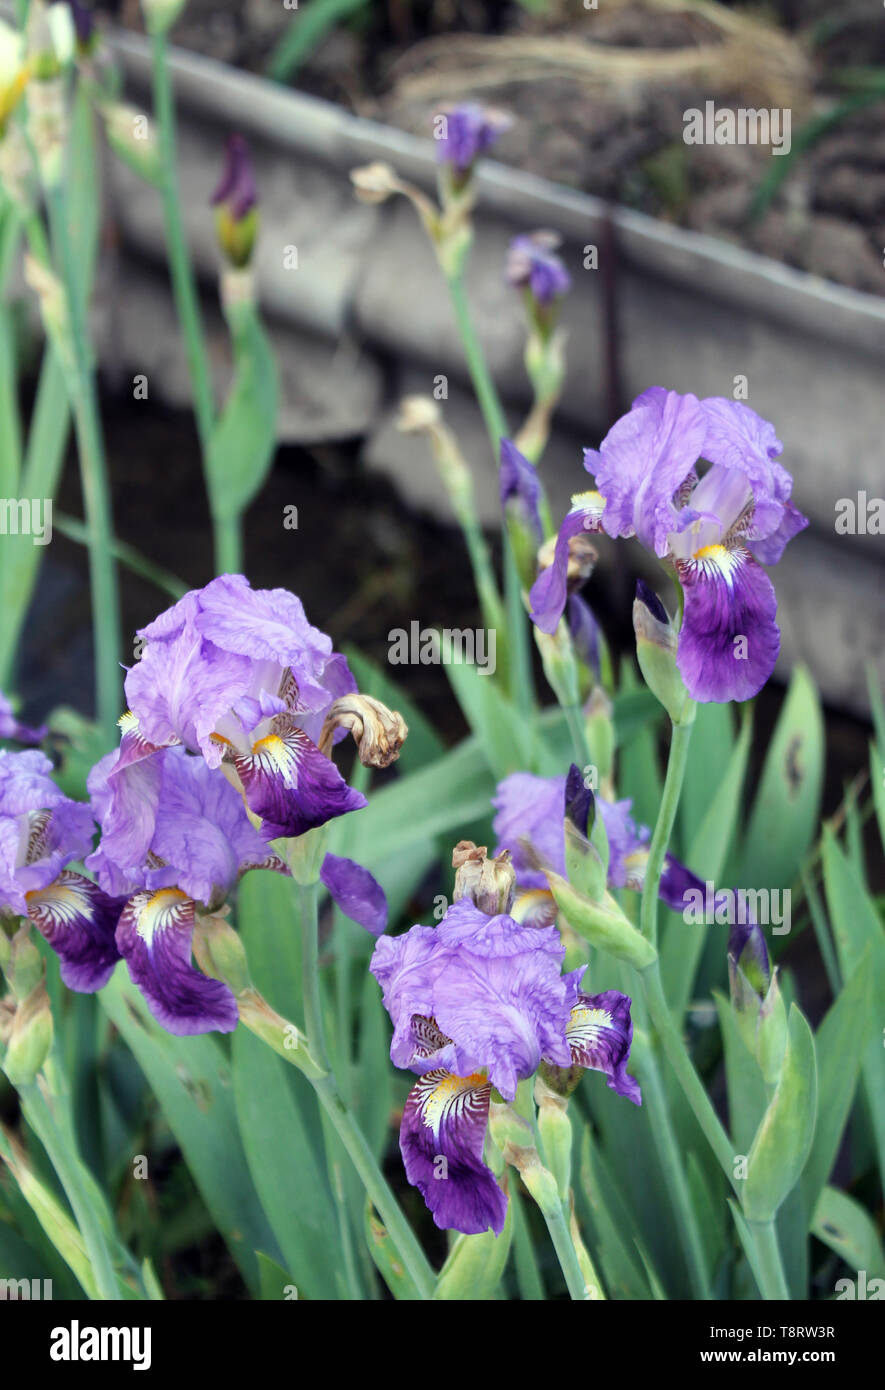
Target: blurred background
{"x":714,"y":263}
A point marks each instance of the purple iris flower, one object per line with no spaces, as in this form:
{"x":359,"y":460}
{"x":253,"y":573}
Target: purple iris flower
{"x":240,"y":676}
{"x":10,"y":727}
{"x":714,"y":530}
{"x":479,"y":1002}
{"x":529,"y":823}
{"x":84,"y":22}
{"x":41,"y":832}
{"x":469,"y":130}
{"x":532,"y":263}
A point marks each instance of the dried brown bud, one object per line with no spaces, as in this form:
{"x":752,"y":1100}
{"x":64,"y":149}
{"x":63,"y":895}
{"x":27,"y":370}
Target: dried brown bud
{"x":490,"y":883}
{"x":378,"y":732}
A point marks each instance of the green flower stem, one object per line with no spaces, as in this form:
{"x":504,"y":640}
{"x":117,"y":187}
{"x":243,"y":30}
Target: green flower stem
{"x":677,"y":1056}
{"x":227,"y":530}
{"x":40,"y":1117}
{"x":520,"y":673}
{"x":673,"y":1169}
{"x":557,"y":1222}
{"x":83,"y":394}
{"x":769,"y":1264}
{"x":228,"y":544}
{"x":10,"y":431}
{"x":310,"y":976}
{"x":676,"y":763}
{"x":341,"y":1117}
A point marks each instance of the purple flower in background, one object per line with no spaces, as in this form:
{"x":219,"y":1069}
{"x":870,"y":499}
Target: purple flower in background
{"x":467,"y":131}
{"x":715,"y":530}
{"x":584,"y":630}
{"x":41,"y":832}
{"x":529,"y":823}
{"x":10,"y":727}
{"x":175,"y":835}
{"x":84,"y":22}
{"x":479,"y":1002}
{"x":532,"y":264}
{"x":240,"y":676}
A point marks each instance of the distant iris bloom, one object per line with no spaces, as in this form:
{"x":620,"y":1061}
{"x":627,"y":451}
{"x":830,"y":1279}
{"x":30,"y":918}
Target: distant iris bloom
{"x":529,"y":823}
{"x":714,"y":529}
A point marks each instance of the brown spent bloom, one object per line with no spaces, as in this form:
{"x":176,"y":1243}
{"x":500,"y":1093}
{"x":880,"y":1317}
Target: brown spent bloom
{"x":378,"y":732}
{"x":490,"y":883}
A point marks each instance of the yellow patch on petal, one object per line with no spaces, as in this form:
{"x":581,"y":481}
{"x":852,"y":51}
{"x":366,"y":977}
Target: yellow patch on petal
{"x":168,"y":907}
{"x":450,"y":1091}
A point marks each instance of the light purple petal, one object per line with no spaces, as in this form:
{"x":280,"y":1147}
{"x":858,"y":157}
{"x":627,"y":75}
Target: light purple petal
{"x":357,"y":893}
{"x":643,"y":461}
{"x":494,"y":988}
{"x":529,"y":823}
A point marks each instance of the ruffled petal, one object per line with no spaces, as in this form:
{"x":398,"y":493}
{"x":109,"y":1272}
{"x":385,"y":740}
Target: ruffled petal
{"x":441,"y":1139}
{"x":79,"y":921}
{"x":357,"y":893}
{"x":600,"y":1033}
{"x":729,"y":640}
{"x":644,"y":460}
{"x":291,"y":785}
{"x":154,"y":936}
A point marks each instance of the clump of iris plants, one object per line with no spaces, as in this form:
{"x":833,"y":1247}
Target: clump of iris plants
{"x":235,"y":863}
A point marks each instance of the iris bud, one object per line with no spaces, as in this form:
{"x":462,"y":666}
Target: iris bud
{"x":30,"y":1038}
{"x":555,"y":1130}
{"x":656,"y":651}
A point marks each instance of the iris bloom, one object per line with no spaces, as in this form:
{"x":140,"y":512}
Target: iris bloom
{"x":470,"y":130}
{"x":478,"y":1003}
{"x":714,"y":530}
{"x":241,"y":677}
{"x":532,"y":264}
{"x":41,"y":833}
{"x":13,"y":72}
{"x":175,"y":841}
{"x":529,"y":823}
